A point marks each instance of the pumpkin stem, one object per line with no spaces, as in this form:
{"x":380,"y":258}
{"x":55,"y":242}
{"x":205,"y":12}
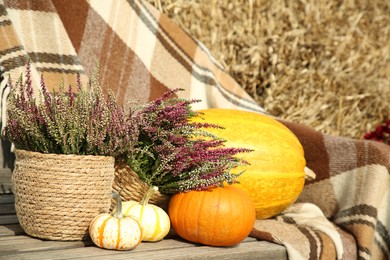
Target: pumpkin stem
{"x":118,"y":209}
{"x":148,"y":195}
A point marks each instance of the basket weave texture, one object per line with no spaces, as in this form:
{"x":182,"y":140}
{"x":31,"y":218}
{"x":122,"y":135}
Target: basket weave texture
{"x":57,"y":196}
{"x":131,"y":187}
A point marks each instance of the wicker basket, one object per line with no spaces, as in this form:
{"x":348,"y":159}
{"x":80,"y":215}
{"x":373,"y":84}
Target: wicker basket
{"x":131,"y":187}
{"x":57,"y":196}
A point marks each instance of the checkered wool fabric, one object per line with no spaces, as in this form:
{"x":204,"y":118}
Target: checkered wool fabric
{"x":343,"y":214}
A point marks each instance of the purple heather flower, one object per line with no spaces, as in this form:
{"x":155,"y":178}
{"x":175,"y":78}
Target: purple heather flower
{"x":71,"y":96}
{"x":28,"y":82}
{"x":78,"y":82}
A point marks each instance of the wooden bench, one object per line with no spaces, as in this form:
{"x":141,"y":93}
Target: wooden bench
{"x":15,"y":244}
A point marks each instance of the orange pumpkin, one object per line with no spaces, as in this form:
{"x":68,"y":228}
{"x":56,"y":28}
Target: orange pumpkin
{"x":275,"y":177}
{"x":221,"y":216}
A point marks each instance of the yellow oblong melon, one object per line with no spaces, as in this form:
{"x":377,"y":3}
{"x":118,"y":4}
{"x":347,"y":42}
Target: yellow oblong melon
{"x":275,"y":177}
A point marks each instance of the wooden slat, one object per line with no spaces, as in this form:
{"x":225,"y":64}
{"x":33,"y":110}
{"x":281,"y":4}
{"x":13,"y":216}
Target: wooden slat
{"x":26,"y":243}
{"x":7,"y":209}
{"x":8,"y":219}
{"x":37,"y":251}
{"x":167,"y":249}
{"x":7,"y":198}
{"x":34,"y":245}
{"x":14,"y":244}
{"x":250,"y":250}
{"x":5,"y":181}
{"x":10,"y":230}
{"x":20,"y":239}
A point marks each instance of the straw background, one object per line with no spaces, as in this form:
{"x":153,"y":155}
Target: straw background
{"x":322,"y":63}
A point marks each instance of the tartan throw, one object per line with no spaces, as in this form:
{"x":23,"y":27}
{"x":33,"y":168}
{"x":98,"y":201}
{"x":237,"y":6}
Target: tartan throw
{"x":343,"y":214}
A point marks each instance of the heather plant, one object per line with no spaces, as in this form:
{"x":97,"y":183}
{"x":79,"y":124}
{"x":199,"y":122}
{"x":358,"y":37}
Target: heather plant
{"x":180,"y":155}
{"x":157,"y":140}
{"x":64,"y":121}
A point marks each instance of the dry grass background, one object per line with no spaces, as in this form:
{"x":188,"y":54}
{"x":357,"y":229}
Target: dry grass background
{"x":322,"y":63}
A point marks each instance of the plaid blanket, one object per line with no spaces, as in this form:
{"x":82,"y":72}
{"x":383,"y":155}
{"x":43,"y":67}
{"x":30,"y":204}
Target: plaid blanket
{"x":343,"y":214}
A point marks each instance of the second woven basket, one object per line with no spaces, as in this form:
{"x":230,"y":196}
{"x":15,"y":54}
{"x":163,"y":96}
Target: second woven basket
{"x":131,"y":187}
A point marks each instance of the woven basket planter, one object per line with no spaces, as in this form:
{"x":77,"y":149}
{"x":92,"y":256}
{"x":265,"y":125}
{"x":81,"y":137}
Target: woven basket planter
{"x":57,"y":196}
{"x":131,"y":187}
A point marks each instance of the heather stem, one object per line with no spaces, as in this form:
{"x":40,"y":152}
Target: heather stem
{"x":148,"y":195}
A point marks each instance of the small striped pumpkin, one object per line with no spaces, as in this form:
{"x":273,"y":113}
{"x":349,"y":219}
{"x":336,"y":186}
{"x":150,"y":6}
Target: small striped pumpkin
{"x":154,"y":220}
{"x":115,"y":231}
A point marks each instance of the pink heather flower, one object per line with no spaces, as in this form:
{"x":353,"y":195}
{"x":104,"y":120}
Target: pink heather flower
{"x":180,"y":161}
{"x":71,"y":96}
{"x":28,"y":82}
{"x":78,"y":82}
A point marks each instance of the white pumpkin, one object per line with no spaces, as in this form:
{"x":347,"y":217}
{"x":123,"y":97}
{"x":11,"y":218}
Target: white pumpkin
{"x":115,"y":231}
{"x":154,"y":220}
